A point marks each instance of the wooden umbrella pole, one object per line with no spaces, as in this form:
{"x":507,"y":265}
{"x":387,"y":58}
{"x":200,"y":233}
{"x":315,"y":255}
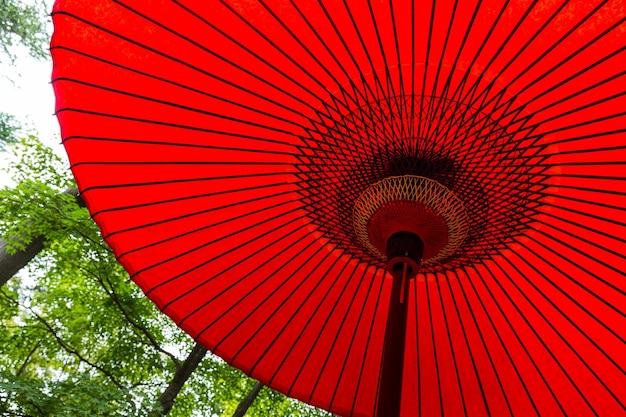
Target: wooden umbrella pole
{"x":404,"y":254}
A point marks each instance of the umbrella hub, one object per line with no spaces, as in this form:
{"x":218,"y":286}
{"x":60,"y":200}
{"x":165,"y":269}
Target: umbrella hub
{"x":405,"y":251}
{"x":410,"y":205}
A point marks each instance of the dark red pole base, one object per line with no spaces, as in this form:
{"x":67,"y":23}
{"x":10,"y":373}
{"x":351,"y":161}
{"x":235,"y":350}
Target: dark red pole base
{"x":404,"y":254}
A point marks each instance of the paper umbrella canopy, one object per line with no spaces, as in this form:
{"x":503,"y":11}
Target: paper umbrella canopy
{"x":344,"y":198}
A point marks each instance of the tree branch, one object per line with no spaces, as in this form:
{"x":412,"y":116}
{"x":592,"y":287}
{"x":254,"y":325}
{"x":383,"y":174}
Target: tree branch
{"x":110,"y":290}
{"x":10,"y":264}
{"x":182,"y":374}
{"x":30,"y":355}
{"x":65,"y":346}
{"x":76,"y":353}
{"x":247,"y":402}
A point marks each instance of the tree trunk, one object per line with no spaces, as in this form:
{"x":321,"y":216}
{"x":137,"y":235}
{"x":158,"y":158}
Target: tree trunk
{"x":247,"y":402}
{"x":166,"y":400}
{"x":11,"y":263}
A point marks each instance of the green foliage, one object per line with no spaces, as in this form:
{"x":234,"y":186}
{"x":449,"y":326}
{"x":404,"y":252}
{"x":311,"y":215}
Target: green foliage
{"x":38,"y":173}
{"x":77,"y":337}
{"x":268,"y":403}
{"x":74,"y":397}
{"x":8,"y":130}
{"x":78,"y":331}
{"x":23,"y":24}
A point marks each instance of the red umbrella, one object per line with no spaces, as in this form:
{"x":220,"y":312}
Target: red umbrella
{"x":256,"y":164}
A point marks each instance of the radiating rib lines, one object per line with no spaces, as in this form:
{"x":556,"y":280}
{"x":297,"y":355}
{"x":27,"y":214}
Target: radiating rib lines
{"x":524,"y":126}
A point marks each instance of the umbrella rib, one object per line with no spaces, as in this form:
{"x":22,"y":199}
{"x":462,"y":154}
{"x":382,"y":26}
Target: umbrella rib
{"x":417,"y":347}
{"x":206,"y":262}
{"x":197,"y":229}
{"x":600,"y":101}
{"x":502,"y":344}
{"x":231,"y":63}
{"x":594,"y":259}
{"x":334,"y":57}
{"x":580,"y":285}
{"x":555,"y":86}
{"x":572,"y":77}
{"x":412,"y":111}
{"x":596,"y":190}
{"x":431,"y":21}
{"x":350,"y":141}
{"x":166,"y":162}
{"x":446,"y":87}
{"x":181,"y":254}
{"x":592,"y":150}
{"x":575,"y":224}
{"x":310,"y":317}
{"x":430,"y":114}
{"x":341,"y":88}
{"x":573,"y":54}
{"x":391,"y":91}
{"x":579,"y":305}
{"x":351,"y":304}
{"x":585,"y":123}
{"x":560,"y":335}
{"x":367,"y":349}
{"x":483,"y":343}
{"x":465,"y":77}
{"x":378,"y":84}
{"x":205,"y":211}
{"x":496,"y":143}
{"x":524,"y":47}
{"x":328,"y":316}
{"x":401,"y":108}
{"x":168,"y":124}
{"x":550,"y":49}
{"x":584,"y":107}
{"x":177,"y":144}
{"x":188,"y":197}
{"x":595,"y":217}
{"x":365,"y":50}
{"x":452,"y":350}
{"x":334,"y":341}
{"x":312,"y":55}
{"x":250,"y":291}
{"x":591,"y":202}
{"x":340,"y":330}
{"x":432,"y":336}
{"x":346,"y":48}
{"x":356,"y":331}
{"x":277,"y":334}
{"x":192,"y":89}
{"x":515,"y":333}
{"x":186,"y":64}
{"x":583,"y":137}
{"x":257,"y":56}
{"x":481,"y":76}
{"x":177,"y":181}
{"x":177,"y":106}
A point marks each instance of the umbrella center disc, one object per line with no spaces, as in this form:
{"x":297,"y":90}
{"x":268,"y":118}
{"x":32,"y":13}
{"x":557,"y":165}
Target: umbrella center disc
{"x":414,"y":204}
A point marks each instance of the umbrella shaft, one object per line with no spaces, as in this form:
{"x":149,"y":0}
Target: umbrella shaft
{"x":390,"y":384}
{"x":404,"y":255}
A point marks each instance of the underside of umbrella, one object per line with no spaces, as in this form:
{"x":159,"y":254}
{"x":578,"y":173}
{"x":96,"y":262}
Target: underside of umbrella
{"x":250,"y":161}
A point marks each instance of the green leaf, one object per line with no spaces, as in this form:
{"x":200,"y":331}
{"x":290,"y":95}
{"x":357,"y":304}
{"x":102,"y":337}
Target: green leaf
{"x":23,"y":24}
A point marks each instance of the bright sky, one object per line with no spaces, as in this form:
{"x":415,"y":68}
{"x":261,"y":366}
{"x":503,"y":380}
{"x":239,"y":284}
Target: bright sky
{"x":26,"y":93}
